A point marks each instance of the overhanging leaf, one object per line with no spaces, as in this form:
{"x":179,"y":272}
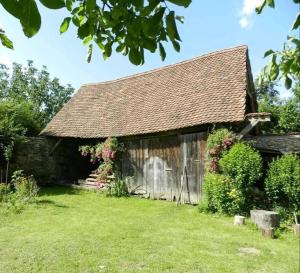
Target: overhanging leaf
{"x":90,"y":5}
{"x":259,"y":8}
{"x":65,"y":25}
{"x":271,"y":3}
{"x":53,"y":4}
{"x":11,"y":6}
{"x":162,"y":52}
{"x":287,"y":82}
{"x":171,"y":26}
{"x":184,"y":3}
{"x":296,"y":23}
{"x":90,"y":53}
{"x":135,"y":56}
{"x":5,"y":41}
{"x":30,"y":17}
{"x":268,"y":53}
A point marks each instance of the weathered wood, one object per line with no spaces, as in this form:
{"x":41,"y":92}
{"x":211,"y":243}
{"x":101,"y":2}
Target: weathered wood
{"x":297,"y":229}
{"x":157,"y":164}
{"x":265,"y":219}
{"x":239,"y":220}
{"x":268,"y":232}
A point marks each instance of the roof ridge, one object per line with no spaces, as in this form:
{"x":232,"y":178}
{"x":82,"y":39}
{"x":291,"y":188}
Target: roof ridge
{"x":168,"y":66}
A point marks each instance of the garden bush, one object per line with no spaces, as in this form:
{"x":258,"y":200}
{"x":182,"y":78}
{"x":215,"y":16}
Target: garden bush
{"x":282,"y":183}
{"x":118,"y":188}
{"x":26,"y":188}
{"x":218,"y":141}
{"x":243,"y":164}
{"x":221,"y":195}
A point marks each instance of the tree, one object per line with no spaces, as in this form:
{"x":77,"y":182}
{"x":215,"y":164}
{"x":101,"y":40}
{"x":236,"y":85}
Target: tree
{"x":285,"y":112}
{"x":129,"y":26}
{"x":284,"y":64}
{"x":45,"y":95}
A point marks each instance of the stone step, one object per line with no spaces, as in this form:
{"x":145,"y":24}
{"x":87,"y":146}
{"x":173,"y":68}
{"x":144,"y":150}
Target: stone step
{"x":91,"y":180}
{"x":91,"y":183}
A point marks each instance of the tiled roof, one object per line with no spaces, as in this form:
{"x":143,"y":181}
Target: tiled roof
{"x":207,"y":89}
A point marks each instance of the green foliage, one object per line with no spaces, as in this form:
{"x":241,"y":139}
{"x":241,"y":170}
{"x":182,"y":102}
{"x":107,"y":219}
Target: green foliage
{"x":221,"y":194}
{"x":285,"y":112}
{"x":118,"y":188}
{"x":25,"y":191}
{"x":218,"y":141}
{"x":282,"y":183}
{"x":216,"y":138}
{"x":26,"y":188}
{"x":243,"y":164}
{"x":106,"y":153}
{"x":34,"y":90}
{"x":129,"y":26}
{"x":284,"y":64}
{"x":4,"y":190}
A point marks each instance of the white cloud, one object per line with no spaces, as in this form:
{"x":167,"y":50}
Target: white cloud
{"x":5,"y":59}
{"x":247,"y":12}
{"x":244,"y":22}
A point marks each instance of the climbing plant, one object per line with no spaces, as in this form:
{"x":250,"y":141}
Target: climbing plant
{"x":107,"y":154}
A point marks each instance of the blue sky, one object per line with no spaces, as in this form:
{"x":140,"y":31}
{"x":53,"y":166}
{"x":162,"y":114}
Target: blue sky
{"x":209,"y":26}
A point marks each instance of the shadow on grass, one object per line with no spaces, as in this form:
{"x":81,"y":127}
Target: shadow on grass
{"x":47,"y":202}
{"x":58,"y":190}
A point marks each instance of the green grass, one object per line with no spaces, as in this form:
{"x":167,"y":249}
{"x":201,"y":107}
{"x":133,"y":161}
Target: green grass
{"x":78,"y":231}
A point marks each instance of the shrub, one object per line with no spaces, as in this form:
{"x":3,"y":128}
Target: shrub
{"x":282,"y":183}
{"x":118,"y":188}
{"x":26,"y":187}
{"x":243,"y":164}
{"x":4,"y":190}
{"x":218,"y":142}
{"x":221,"y":195}
{"x":217,"y":137}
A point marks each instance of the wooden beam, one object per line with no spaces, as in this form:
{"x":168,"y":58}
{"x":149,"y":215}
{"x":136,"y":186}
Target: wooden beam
{"x":254,"y":119}
{"x":55,"y":146}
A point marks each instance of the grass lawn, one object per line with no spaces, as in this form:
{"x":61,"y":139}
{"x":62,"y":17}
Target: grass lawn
{"x":78,"y":231}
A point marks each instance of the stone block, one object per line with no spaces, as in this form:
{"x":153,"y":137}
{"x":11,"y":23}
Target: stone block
{"x":265,"y":219}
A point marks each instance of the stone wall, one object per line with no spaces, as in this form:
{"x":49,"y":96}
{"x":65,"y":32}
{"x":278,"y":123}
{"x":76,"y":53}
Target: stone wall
{"x":40,"y":157}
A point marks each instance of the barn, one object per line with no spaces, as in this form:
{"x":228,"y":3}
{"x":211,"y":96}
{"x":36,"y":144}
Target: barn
{"x":163,"y":117}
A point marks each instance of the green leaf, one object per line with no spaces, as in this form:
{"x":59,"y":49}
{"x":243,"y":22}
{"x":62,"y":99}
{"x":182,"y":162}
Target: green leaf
{"x":135,"y":56}
{"x":184,"y":3}
{"x":120,"y":47}
{"x":180,"y":19}
{"x":69,"y":5}
{"x":12,"y":7}
{"x":287,"y":82}
{"x":297,"y":1}
{"x":274,"y":72}
{"x":162,"y":52}
{"x":260,"y":8}
{"x":268,"y":53}
{"x":296,"y":23}
{"x":176,"y":45}
{"x":30,"y":17}
{"x":83,"y":31}
{"x":294,"y":40}
{"x":5,"y":41}
{"x":53,"y":4}
{"x":65,"y":25}
{"x":108,"y":49}
{"x":87,"y":40}
{"x":90,"y":53}
{"x":90,"y":5}
{"x":171,"y":26}
{"x":271,"y":3}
